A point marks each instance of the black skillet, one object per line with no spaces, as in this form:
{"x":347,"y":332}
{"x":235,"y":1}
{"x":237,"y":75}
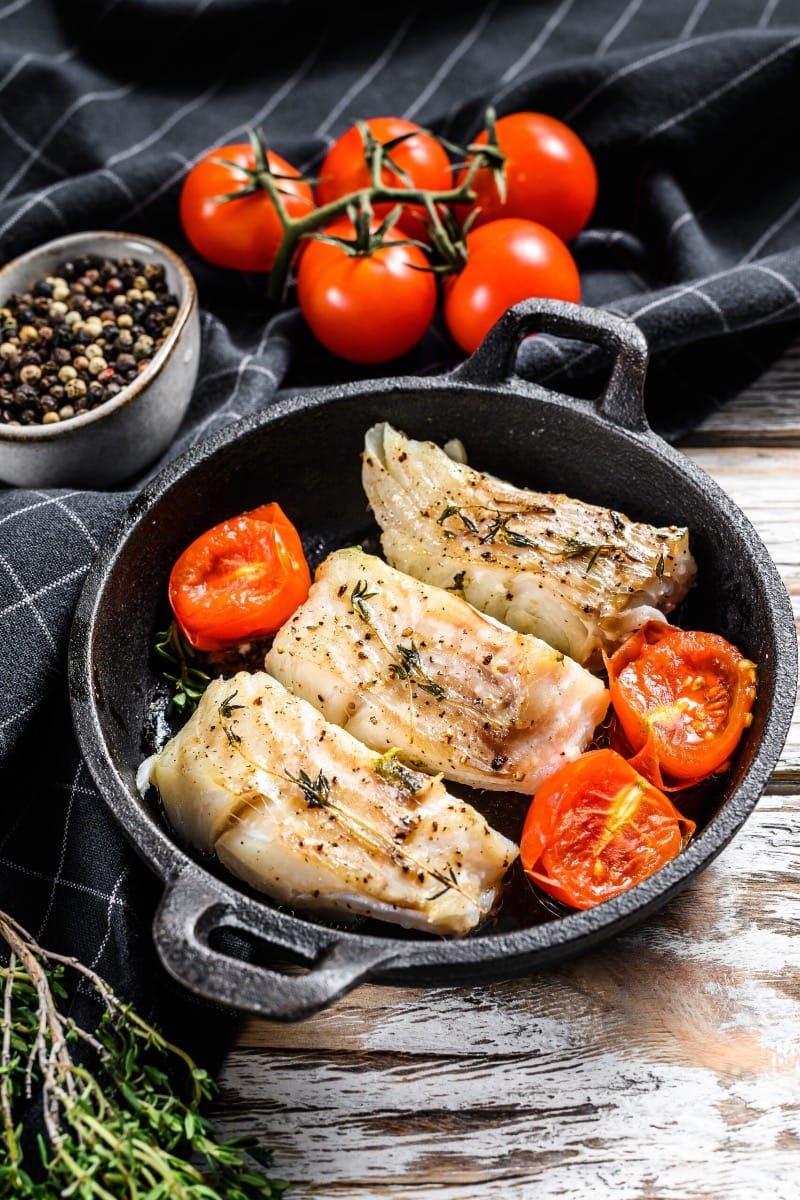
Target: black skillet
{"x":304,"y":452}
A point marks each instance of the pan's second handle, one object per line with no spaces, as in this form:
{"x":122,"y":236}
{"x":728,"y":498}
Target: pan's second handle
{"x":192,"y":909}
{"x":623,"y":399}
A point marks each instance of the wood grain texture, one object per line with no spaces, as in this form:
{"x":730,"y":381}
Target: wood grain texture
{"x":765,"y":483}
{"x":664,"y":1065}
{"x":768,"y":412}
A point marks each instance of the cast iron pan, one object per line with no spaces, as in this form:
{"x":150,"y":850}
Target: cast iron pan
{"x":304,"y":452}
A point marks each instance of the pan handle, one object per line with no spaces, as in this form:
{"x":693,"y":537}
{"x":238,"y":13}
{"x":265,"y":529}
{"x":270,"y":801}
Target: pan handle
{"x":623,"y":399}
{"x":193,"y":908}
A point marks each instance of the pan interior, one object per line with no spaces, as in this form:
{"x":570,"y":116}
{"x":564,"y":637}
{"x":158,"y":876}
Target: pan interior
{"x":309,"y":461}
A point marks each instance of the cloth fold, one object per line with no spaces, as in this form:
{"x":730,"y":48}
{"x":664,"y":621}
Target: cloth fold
{"x":690,"y":108}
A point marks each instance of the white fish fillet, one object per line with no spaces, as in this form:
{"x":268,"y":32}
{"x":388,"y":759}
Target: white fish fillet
{"x":301,"y":810}
{"x":576,"y":575}
{"x":399,"y":663}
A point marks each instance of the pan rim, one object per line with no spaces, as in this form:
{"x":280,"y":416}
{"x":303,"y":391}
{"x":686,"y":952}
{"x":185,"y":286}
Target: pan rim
{"x":512,"y":950}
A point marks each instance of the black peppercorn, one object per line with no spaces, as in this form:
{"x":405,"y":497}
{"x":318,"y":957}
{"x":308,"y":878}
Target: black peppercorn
{"x":77,"y":337}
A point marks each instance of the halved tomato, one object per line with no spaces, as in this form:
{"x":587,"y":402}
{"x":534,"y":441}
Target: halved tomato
{"x":683,"y":698}
{"x":241,"y":579}
{"x":596,"y":827}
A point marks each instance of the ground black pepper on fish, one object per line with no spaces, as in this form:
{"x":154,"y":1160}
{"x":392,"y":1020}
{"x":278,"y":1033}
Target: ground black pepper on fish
{"x":77,"y":337}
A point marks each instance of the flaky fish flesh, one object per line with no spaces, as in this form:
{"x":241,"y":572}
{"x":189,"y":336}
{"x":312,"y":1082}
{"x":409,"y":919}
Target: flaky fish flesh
{"x":304,"y":812}
{"x":579,"y":576}
{"x":402,"y":664}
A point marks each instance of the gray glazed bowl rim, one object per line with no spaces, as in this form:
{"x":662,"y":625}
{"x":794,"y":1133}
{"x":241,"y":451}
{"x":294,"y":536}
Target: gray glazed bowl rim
{"x":82,"y":243}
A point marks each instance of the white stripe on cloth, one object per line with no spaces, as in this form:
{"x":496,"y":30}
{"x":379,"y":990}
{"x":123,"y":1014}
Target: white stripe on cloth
{"x":253,"y":121}
{"x":15,"y":6}
{"x":172,"y":120}
{"x":15,"y":69}
{"x":121,"y":184}
{"x":84,"y":888}
{"x":63,"y":854}
{"x":696,"y":289}
{"x":549,"y":27}
{"x":728,"y":86}
{"x":466,"y":43}
{"x":639,"y":65}
{"x":769,"y":234}
{"x":767,"y":14}
{"x":617,"y":28}
{"x":112,"y":902}
{"x":27,"y":599}
{"x":694,"y":17}
{"x":18,"y":715}
{"x":18,"y":512}
{"x":25,"y":145}
{"x":71,"y":516}
{"x":67,"y":115}
{"x":369,"y":75}
{"x":781,"y":278}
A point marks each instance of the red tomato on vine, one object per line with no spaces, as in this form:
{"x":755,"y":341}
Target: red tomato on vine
{"x":508,"y":261}
{"x":550,"y":176}
{"x":242,"y":233}
{"x":366,"y":306}
{"x":420,"y":160}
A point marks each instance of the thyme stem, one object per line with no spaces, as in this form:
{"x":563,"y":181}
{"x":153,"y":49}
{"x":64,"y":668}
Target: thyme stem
{"x":119,"y":1126}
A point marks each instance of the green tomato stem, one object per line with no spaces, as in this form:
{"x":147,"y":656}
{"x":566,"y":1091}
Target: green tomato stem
{"x":295,"y":228}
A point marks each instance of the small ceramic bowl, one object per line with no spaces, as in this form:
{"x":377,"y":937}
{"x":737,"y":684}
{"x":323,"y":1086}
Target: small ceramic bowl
{"x":117,"y":439}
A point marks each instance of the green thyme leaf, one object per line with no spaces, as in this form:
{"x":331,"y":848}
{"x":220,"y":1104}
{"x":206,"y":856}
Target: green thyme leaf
{"x":121,"y":1105}
{"x":181,"y":668}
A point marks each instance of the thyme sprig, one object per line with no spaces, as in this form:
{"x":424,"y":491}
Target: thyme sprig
{"x":117,"y":1125}
{"x":497,"y":530}
{"x":391,"y":768}
{"x":316,"y":791}
{"x":226,"y":711}
{"x":318,"y":794}
{"x":406,"y":661}
{"x":181,"y":669}
{"x":408,"y":666}
{"x":575,"y":548}
{"x":358,"y":599}
{"x":449,"y":882}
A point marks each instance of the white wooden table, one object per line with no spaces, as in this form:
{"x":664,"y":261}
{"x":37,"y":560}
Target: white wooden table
{"x":665,"y":1065}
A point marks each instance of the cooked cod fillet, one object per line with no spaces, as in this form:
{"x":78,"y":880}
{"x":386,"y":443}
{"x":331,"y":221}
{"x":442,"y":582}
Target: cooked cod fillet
{"x":578,"y":576}
{"x":399,"y":663}
{"x":301,"y":810}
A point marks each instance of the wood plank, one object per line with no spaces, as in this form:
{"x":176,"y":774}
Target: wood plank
{"x":663,"y":1064}
{"x":767,"y":412}
{"x":765,"y":482}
